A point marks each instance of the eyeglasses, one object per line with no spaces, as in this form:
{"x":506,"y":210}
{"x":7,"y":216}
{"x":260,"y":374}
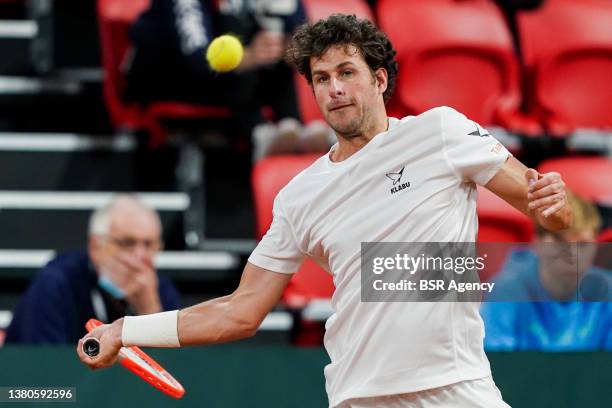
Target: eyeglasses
{"x":130,"y":244}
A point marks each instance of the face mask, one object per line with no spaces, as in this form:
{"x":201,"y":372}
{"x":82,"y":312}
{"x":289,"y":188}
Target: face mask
{"x":108,"y":285}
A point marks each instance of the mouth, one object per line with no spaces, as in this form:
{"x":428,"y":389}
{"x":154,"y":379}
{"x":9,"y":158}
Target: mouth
{"x":335,"y":108}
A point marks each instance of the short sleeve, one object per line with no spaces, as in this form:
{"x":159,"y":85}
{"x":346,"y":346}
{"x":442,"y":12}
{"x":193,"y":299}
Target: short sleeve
{"x":472,"y":153}
{"x":278,"y":250}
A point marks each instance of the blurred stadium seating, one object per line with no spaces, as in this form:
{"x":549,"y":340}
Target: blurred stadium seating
{"x":455,"y":53}
{"x":115,"y":18}
{"x":567,"y":48}
{"x":61,"y":158}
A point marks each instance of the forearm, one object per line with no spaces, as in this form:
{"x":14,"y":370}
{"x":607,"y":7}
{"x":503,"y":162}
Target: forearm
{"x":219,"y":320}
{"x":542,"y":197}
{"x":223,"y":319}
{"x":216,"y":321}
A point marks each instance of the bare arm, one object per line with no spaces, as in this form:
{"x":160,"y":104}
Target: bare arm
{"x":234,"y":316}
{"x":542,"y":197}
{"x":219,"y":320}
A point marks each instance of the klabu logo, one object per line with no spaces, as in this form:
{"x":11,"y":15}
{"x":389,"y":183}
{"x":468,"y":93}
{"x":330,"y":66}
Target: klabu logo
{"x":397,"y":178}
{"x":480,"y":132}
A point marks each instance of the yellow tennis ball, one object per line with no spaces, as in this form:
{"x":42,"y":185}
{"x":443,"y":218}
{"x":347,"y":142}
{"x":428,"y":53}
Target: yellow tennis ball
{"x":224,"y":53}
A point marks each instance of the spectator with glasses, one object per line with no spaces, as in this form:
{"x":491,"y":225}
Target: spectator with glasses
{"x":114,"y":277}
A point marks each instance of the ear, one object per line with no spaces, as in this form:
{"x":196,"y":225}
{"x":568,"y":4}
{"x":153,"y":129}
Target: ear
{"x":381,"y":79}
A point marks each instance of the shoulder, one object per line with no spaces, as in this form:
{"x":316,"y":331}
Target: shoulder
{"x":442,"y":120}
{"x":68,"y":263}
{"x":65,"y":270}
{"x":442,"y":113}
{"x":433,"y":116}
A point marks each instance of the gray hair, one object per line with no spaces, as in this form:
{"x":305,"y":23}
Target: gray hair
{"x":100,"y":219}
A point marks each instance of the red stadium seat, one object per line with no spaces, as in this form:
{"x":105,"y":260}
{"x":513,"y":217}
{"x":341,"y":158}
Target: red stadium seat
{"x":567,"y":47}
{"x":588,"y":177}
{"x":270,"y":175}
{"x":499,"y":222}
{"x":316,"y":10}
{"x":455,"y":53}
{"x":114,"y":20}
{"x":319,"y":9}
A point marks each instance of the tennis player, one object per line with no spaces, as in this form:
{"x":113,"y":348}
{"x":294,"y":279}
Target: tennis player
{"x":408,"y":180}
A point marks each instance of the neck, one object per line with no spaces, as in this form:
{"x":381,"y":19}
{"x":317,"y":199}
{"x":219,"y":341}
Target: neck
{"x":351,"y":144}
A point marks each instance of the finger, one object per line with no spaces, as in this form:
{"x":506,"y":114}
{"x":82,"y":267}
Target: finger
{"x":272,"y":40}
{"x":85,"y":359}
{"x":149,"y":262}
{"x":531,"y":175}
{"x":273,"y":52}
{"x":544,"y":180}
{"x":269,"y":51}
{"x":554,"y":188}
{"x":130,"y":262}
{"x":553,"y":209}
{"x":79,"y":350}
{"x":137,"y":265}
{"x":546,"y":201}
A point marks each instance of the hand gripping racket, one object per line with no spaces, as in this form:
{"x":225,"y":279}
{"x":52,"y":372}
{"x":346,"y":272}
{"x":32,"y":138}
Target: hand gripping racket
{"x":138,"y":362}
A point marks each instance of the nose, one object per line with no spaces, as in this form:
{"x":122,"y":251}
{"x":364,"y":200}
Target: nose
{"x":335,"y":88}
{"x":142,"y":252}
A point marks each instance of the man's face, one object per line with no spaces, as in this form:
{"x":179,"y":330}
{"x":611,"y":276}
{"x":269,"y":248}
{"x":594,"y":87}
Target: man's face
{"x":346,"y":90}
{"x":132,"y":232}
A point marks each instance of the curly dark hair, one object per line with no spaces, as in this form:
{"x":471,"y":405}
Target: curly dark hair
{"x":312,"y":40}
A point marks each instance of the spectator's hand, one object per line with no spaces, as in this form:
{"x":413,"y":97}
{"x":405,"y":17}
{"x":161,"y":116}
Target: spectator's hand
{"x":137,"y":279}
{"x":546,"y":194}
{"x":109,"y":336}
{"x":266,"y":48}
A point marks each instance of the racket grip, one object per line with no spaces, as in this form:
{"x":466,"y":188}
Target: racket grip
{"x":91,"y":347}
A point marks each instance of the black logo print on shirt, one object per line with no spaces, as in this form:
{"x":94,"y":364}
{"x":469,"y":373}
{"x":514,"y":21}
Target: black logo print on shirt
{"x":396,"y":177}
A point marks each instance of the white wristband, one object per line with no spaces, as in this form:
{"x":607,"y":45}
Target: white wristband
{"x":154,"y":330}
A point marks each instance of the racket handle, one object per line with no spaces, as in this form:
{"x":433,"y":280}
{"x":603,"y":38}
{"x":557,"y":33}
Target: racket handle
{"x":91,"y":347}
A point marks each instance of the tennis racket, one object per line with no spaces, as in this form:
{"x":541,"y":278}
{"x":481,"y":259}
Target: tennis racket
{"x":138,"y":362}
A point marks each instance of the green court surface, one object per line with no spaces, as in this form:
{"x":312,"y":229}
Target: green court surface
{"x":259,"y":376}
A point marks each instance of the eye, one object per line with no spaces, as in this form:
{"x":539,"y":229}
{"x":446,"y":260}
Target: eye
{"x":348,"y":72}
{"x":321,"y":79}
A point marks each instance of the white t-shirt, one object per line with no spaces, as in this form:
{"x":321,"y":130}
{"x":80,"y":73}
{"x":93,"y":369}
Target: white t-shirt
{"x":328,"y":209}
